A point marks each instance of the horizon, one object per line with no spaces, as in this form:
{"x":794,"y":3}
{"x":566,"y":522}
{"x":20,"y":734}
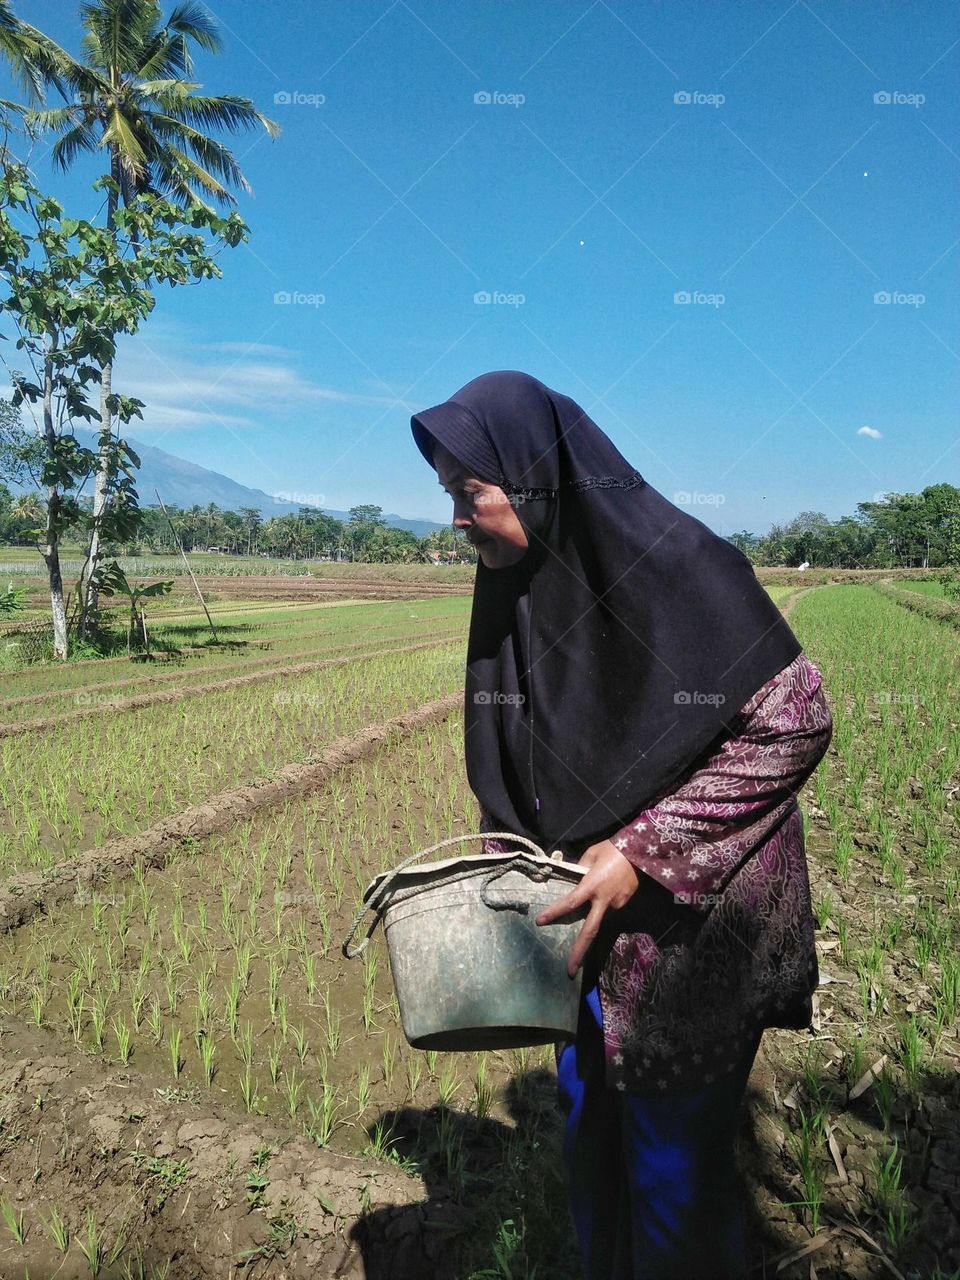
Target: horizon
{"x":705,"y":277}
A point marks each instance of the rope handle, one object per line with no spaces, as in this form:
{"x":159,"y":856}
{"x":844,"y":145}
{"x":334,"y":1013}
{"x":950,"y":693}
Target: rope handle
{"x":376,"y":900}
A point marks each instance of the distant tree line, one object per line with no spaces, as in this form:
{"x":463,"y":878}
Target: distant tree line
{"x":898,"y":531}
{"x":306,"y":534}
{"x":901,"y":530}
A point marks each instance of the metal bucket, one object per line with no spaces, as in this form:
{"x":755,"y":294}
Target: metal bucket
{"x":471,"y":968}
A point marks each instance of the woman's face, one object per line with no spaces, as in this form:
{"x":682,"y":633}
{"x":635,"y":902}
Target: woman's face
{"x":482,"y":512}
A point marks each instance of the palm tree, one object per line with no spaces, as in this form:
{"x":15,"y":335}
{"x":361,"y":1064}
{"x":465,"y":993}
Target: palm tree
{"x":135,"y":102}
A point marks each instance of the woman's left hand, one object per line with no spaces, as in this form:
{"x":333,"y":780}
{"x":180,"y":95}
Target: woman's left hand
{"x":611,"y":881}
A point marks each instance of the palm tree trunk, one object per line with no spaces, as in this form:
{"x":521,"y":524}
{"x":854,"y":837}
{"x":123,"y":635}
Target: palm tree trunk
{"x":101,"y":483}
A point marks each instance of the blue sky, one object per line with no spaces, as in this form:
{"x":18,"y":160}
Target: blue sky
{"x":627,"y":155}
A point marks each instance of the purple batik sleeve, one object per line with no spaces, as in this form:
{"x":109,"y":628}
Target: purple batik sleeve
{"x":694,"y":838}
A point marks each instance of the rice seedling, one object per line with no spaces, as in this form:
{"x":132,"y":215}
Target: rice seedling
{"x":92,"y":1245}
{"x":13,"y":1220}
{"x":58,"y":1230}
{"x":173,"y":1052}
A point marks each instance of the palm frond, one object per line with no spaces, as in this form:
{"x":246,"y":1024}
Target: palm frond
{"x":226,"y":112}
{"x":120,"y":137}
{"x":69,"y":145}
{"x":196,"y":23}
{"x":177,"y":173}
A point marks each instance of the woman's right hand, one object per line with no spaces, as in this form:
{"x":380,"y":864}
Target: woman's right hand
{"x":610,"y":883}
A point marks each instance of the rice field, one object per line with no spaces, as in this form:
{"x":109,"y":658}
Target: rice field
{"x":212,"y":980}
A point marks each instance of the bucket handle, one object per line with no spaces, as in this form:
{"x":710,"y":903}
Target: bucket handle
{"x":376,"y":901}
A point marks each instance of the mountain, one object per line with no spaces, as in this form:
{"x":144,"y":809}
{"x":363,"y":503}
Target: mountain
{"x":185,"y":484}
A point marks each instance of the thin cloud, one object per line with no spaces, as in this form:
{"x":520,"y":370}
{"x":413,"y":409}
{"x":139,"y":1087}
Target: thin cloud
{"x":872,"y":432}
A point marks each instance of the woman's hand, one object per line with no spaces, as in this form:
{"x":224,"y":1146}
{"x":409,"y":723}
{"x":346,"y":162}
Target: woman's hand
{"x":610,"y":882}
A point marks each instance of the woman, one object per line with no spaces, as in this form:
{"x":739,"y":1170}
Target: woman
{"x":635,"y":699}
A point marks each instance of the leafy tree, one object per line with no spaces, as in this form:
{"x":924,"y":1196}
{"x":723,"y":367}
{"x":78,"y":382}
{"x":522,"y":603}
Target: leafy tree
{"x":71,"y":288}
{"x":134,"y":100}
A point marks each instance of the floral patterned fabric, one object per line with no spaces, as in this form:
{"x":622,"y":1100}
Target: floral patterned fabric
{"x":718,"y":940}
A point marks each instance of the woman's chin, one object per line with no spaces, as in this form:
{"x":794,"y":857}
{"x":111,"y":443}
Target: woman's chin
{"x":495,"y":556}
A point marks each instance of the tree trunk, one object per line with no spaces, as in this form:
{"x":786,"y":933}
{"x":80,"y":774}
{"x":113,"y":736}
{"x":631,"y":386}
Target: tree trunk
{"x":95,"y":553}
{"x":51,"y":551}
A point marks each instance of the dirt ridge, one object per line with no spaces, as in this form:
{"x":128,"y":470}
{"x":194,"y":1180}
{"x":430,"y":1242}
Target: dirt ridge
{"x":33,"y":893}
{"x":16,"y":728}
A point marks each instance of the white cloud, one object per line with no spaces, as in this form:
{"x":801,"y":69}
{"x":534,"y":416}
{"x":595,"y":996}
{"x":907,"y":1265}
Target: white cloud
{"x":186,"y":385}
{"x":872,"y":432}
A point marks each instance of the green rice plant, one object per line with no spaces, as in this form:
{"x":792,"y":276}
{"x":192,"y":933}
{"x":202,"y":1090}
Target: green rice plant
{"x":293,"y":1088}
{"x":332,"y":1026}
{"x":91,"y":1244}
{"x":301,"y":1043}
{"x":244,"y":1044}
{"x":247,"y":1088}
{"x":448,"y":1085}
{"x":13,"y":1220}
{"x":414,"y":1072}
{"x":122,"y":1032}
{"x":155,"y":1021}
{"x":98,"y":1020}
{"x":807,"y":1146}
{"x":324,"y":1116}
{"x":58,"y":1230}
{"x":38,"y":1002}
{"x":363,"y":1090}
{"x":310,"y":974}
{"x":912,"y":1054}
{"x":207,"y":1056}
{"x":275,"y":1054}
{"x":173,"y":1051}
{"x":483,"y":1091}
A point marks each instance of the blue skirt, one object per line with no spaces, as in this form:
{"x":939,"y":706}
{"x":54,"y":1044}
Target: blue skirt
{"x":652,"y":1181}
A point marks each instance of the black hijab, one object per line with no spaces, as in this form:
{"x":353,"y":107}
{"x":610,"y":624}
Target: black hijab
{"x":619,"y":647}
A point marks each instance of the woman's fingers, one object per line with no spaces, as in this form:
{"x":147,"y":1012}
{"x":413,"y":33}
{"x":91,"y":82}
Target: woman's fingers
{"x":584,"y":940}
{"x":563,"y":906}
